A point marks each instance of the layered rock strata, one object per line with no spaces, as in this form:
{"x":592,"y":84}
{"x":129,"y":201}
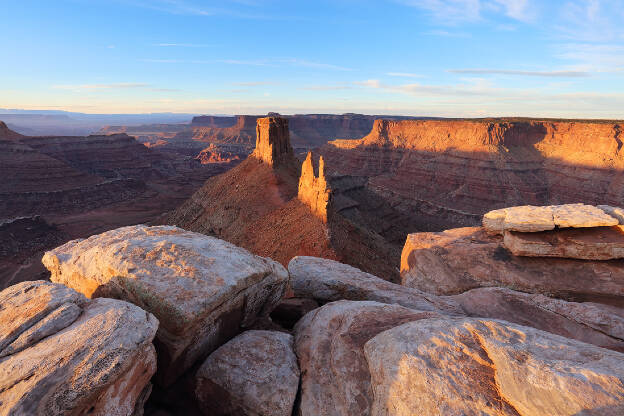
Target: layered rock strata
{"x":456,"y":260}
{"x":485,"y":367}
{"x":314,"y":191}
{"x":272,"y":140}
{"x":63,"y":354}
{"x":450,"y":172}
{"x":203,"y":290}
{"x":254,"y":374}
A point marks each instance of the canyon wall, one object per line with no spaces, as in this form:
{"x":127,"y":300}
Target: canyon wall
{"x":449,"y":173}
{"x":314,"y":191}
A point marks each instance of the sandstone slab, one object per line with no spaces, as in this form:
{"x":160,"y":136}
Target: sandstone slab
{"x":329,"y":343}
{"x":529,"y":218}
{"x":203,"y":290}
{"x":593,"y":323}
{"x":254,"y":374}
{"x":328,"y":280}
{"x":63,"y":354}
{"x":615,"y":212}
{"x":598,"y":243}
{"x":485,"y":367}
{"x":456,"y":260}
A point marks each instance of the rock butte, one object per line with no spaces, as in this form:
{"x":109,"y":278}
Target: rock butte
{"x":202,"y":290}
{"x":63,"y":354}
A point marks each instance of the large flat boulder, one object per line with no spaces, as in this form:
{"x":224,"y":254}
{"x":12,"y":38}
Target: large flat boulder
{"x":203,"y":290}
{"x":453,"y":261}
{"x":62,"y":354}
{"x":254,"y":374}
{"x":594,"y":323}
{"x":486,"y":367}
{"x":329,"y":343}
{"x":528,"y":218}
{"x":599,"y":243}
{"x":327,"y":280}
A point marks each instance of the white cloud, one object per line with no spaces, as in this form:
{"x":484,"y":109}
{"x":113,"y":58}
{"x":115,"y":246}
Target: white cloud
{"x":548,"y":74}
{"x":516,"y":9}
{"x":403,"y":74}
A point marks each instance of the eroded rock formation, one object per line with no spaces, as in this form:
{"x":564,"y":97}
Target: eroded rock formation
{"x":314,"y":191}
{"x":202,"y":290}
{"x":272,"y":140}
{"x":63,"y":354}
{"x":450,"y":172}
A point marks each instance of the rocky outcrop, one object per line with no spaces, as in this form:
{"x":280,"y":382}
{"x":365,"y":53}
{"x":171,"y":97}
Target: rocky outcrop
{"x":8,"y":134}
{"x":530,"y":219}
{"x":593,"y":323}
{"x":254,"y":374}
{"x":476,"y":367}
{"x":62,"y":354}
{"x":329,"y":343}
{"x":456,"y":260}
{"x":272,"y":140}
{"x":202,"y":290}
{"x":219,"y":154}
{"x":450,"y":172}
{"x":327,"y":280}
{"x":314,"y":191}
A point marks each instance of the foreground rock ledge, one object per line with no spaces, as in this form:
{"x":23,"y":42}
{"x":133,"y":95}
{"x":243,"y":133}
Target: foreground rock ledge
{"x":254,"y":374}
{"x":453,"y":261}
{"x":202,"y":289}
{"x":65,"y":355}
{"x":485,"y":367}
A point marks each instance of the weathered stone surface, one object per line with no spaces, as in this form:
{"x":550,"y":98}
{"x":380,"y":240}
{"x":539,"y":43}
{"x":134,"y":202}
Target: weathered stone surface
{"x":254,"y":374}
{"x":202,"y":289}
{"x":484,"y":367}
{"x":65,"y":355}
{"x":328,"y":280}
{"x":329,"y":343}
{"x":532,"y":219}
{"x":594,"y":323}
{"x":272,"y":140}
{"x":598,"y":243}
{"x":615,"y":212}
{"x":314,"y":191}
{"x":453,"y":261}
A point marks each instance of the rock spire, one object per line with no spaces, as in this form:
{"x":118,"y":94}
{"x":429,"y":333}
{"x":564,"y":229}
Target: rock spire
{"x":272,"y":140}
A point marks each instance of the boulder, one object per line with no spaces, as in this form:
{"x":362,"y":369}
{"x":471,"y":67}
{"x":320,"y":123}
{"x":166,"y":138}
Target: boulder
{"x":529,"y":218}
{"x":327,"y":280}
{"x":486,"y":367}
{"x":456,"y":260}
{"x":254,"y":374}
{"x":62,"y":354}
{"x":594,"y":323}
{"x":615,"y":212}
{"x":203,"y":290}
{"x":599,"y":243}
{"x":329,"y":344}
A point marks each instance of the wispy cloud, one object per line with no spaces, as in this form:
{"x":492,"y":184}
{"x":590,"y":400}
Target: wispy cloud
{"x":548,"y":74}
{"x":327,"y":87}
{"x":122,"y":85}
{"x":263,"y":62}
{"x":254,"y":84}
{"x":457,"y":11}
{"x":403,"y":74}
{"x":311,"y":64}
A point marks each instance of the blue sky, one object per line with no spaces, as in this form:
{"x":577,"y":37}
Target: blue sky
{"x":464,"y":58}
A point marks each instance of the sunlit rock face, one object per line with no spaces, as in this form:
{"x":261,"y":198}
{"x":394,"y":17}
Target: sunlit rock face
{"x":63,"y":354}
{"x":203,"y":290}
{"x":314,"y":191}
{"x":485,"y":367}
{"x":449,"y":173}
{"x":272,"y":140}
